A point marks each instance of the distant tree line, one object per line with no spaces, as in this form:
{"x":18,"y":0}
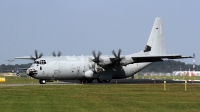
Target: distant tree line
{"x":165,"y":67}
{"x":169,"y":66}
{"x":8,"y":68}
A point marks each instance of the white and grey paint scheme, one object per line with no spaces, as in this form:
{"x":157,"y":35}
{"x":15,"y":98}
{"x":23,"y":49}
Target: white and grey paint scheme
{"x":102,"y":68}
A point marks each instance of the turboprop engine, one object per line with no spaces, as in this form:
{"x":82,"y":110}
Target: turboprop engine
{"x":126,"y":60}
{"x":104,"y":61}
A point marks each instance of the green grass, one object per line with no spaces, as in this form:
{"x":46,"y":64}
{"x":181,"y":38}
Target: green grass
{"x":169,"y":77}
{"x":19,"y":80}
{"x":98,"y":98}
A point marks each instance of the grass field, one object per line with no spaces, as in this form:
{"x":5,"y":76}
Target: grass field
{"x":96,"y":98}
{"x":169,"y":77}
{"x":19,"y":80}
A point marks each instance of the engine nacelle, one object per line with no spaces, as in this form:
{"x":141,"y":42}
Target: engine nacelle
{"x":127,"y":60}
{"x":105,"y":61}
{"x":89,"y":74}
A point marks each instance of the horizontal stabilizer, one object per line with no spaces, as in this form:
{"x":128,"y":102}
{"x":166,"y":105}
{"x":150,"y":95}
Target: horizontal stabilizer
{"x":155,"y":58}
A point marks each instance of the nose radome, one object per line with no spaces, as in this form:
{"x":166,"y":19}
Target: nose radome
{"x":31,"y":72}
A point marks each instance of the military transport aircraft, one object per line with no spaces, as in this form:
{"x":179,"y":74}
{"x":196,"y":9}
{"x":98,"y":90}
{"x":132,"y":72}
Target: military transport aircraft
{"x":99,"y":67}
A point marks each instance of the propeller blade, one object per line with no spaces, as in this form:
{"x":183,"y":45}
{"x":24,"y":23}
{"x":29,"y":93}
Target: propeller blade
{"x":94,"y":54}
{"x":119,"y":53}
{"x":40,"y":55}
{"x":36,"y":54}
{"x":117,"y":56}
{"x":96,"y":57}
{"x":33,"y":58}
{"x":99,"y":53}
{"x":54,"y":54}
{"x":59,"y":53}
{"x":114,"y":53}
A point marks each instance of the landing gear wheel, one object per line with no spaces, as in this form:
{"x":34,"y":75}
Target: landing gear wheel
{"x":42,"y":81}
{"x":89,"y":81}
{"x":106,"y":81}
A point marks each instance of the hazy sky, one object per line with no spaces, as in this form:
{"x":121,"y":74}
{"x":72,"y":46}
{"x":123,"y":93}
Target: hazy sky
{"x":77,"y":27}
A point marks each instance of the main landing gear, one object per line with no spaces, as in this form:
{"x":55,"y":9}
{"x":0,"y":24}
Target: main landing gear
{"x":42,"y":81}
{"x":88,"y":81}
{"x":101,"y":81}
{"x":91,"y":80}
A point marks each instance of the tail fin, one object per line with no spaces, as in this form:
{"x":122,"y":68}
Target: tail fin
{"x":156,"y":42}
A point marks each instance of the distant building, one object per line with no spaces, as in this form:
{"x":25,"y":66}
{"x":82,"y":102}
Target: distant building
{"x":187,"y":73}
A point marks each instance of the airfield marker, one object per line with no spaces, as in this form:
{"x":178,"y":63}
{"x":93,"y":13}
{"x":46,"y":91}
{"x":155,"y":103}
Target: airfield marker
{"x":164,"y":85}
{"x":185,"y":85}
{"x":3,"y":79}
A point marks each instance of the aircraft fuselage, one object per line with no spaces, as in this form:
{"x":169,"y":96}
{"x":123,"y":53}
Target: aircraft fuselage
{"x":63,"y":68}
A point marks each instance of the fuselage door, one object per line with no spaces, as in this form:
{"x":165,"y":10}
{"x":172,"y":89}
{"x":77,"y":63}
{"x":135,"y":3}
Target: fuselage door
{"x":56,"y":70}
{"x":56,"y":73}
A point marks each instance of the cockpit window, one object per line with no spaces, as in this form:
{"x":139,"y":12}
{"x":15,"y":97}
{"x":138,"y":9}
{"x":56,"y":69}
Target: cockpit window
{"x":42,"y":62}
{"x":36,"y":62}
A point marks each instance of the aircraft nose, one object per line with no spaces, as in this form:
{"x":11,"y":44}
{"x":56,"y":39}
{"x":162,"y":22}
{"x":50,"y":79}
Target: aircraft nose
{"x":31,"y":72}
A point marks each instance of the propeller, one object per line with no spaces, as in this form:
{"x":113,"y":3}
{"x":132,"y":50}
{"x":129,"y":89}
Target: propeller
{"x":36,"y":56}
{"x":96,"y":57}
{"x":58,"y":55}
{"x":117,"y":56}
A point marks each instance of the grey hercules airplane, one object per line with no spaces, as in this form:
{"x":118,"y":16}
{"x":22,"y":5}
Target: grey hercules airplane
{"x":102,"y":68}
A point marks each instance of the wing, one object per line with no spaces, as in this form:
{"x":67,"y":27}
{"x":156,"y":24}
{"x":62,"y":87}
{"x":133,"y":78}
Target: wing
{"x":107,"y":61}
{"x":25,"y":57}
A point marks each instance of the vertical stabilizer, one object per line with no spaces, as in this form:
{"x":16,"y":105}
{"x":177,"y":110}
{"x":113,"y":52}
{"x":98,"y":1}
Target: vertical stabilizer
{"x":156,"y":42}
